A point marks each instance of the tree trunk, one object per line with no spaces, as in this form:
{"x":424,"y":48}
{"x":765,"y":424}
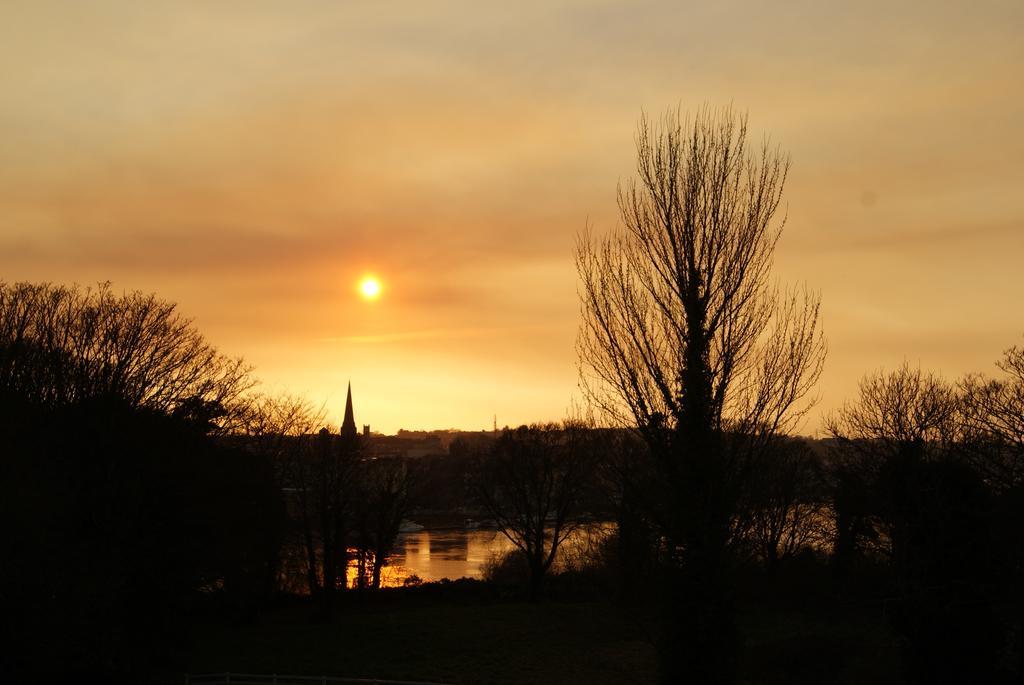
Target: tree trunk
{"x":699,"y":640}
{"x":536,"y":578}
{"x":311,"y":561}
{"x":378,"y":566}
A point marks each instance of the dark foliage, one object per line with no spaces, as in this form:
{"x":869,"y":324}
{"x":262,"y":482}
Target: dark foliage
{"x":113,"y":518}
{"x":118,"y":505}
{"x":912,"y":504}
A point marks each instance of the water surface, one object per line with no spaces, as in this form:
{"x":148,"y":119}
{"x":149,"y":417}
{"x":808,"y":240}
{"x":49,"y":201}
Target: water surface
{"x":457,"y":553}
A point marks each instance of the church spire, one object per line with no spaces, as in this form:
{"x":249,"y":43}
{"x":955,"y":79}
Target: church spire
{"x":348,"y":426}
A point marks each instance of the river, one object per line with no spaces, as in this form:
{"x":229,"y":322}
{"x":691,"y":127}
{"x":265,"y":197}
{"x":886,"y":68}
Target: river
{"x":433,"y":554}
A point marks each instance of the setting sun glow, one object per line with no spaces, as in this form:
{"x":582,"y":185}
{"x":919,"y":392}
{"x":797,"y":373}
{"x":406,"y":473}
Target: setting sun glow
{"x":369,"y":288}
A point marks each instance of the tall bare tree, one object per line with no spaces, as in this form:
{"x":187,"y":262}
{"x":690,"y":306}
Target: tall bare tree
{"x":686,"y":337}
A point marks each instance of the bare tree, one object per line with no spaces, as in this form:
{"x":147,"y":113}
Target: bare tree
{"x":285,"y":429}
{"x":686,"y":338}
{"x":895,"y":412}
{"x":531,"y":483}
{"x":994,"y":444}
{"x":994,"y":410}
{"x":61,"y":345}
{"x":911,"y":505}
{"x":383,"y":499}
{"x":786,"y":508}
{"x":625,"y":478}
{"x":900,"y":420}
{"x":343,"y":507}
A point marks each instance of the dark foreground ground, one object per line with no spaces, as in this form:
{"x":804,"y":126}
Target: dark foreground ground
{"x":430,"y":636}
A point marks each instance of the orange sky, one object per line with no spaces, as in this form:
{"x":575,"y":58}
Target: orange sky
{"x":251,"y":160}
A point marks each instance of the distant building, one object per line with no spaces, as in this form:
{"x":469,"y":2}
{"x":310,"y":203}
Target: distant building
{"x":348,"y":426}
{"x":406,"y":444}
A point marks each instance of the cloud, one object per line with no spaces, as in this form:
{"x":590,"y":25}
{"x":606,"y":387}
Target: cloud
{"x":250,"y":161}
{"x":437,"y":334}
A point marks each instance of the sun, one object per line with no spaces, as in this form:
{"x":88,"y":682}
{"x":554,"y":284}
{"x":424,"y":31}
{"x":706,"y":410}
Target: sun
{"x":370,"y":288}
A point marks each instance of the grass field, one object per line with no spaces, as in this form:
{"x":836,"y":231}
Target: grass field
{"x":517,"y":642}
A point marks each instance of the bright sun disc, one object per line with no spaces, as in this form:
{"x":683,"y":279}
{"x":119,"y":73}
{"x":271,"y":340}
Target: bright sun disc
{"x":369,"y":288}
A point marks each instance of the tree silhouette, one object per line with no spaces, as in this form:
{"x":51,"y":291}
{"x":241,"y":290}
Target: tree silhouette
{"x":994,"y":445}
{"x":923,"y":512}
{"x":899,"y":420}
{"x":994,"y":413}
{"x":785,"y":509}
{"x":60,"y":345}
{"x":531,"y":483}
{"x":119,"y":500}
{"x":686,"y":338}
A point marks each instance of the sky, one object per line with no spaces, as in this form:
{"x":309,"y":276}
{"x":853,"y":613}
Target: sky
{"x":252,"y":160}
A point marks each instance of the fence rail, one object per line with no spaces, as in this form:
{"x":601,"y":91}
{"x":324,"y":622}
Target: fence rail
{"x":279,"y":679}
